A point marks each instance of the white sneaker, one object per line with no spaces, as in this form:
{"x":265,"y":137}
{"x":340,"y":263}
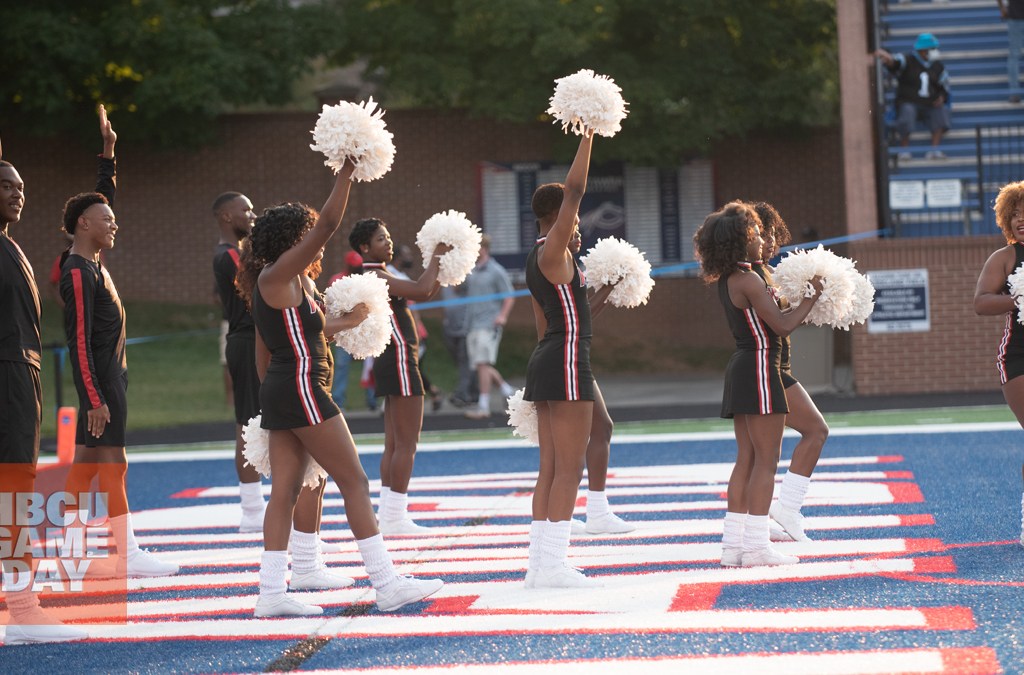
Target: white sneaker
{"x":319,"y":579}
{"x":406,"y":590}
{"x":577,"y":526}
{"x":531,"y":578}
{"x":282,"y":605}
{"x":776,"y":533}
{"x":402,"y":526}
{"x":36,"y":626}
{"x":252,"y":521}
{"x":330,"y":546}
{"x":732,"y":557}
{"x":791,"y":521}
{"x":142,"y":563}
{"x":767,"y":557}
{"x":609,"y":523}
{"x":563,"y":576}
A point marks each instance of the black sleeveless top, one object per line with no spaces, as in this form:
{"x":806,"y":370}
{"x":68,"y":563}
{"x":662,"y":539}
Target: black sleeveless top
{"x":749,"y":331}
{"x":565,"y":306}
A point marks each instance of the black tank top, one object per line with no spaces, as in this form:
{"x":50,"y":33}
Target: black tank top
{"x":565,"y":306}
{"x":294,"y":336}
{"x":749,"y":331}
{"x":403,"y":325}
{"x":1012,"y":344}
{"x":765,"y":272}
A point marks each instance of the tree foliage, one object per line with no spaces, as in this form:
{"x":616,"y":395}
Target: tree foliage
{"x":692,"y":70}
{"x":163,"y":68}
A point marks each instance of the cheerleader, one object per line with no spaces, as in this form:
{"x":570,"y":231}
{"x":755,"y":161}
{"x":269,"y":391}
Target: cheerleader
{"x":992,"y":297}
{"x":726,"y":244}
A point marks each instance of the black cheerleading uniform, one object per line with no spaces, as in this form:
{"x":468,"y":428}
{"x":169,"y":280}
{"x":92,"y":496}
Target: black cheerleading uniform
{"x":94,"y":324}
{"x":21,"y":392}
{"x":296,"y":391}
{"x":396,"y":372}
{"x":753,"y":377}
{"x":559,"y":368}
{"x":1010,"y":355}
{"x":241,"y":338}
{"x":785,"y":364}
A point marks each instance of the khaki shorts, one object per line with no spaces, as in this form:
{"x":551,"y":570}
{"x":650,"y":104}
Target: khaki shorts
{"x":482,"y":346}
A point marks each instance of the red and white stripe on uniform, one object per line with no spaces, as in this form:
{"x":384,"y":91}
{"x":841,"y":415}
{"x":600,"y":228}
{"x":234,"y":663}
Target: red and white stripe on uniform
{"x":401,"y":358}
{"x":572,"y":342}
{"x":761,"y":365}
{"x":293,"y":327}
{"x":81,"y":341}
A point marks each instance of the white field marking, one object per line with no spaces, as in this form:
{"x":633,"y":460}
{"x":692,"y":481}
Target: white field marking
{"x":875,"y":662}
{"x":487,"y":535}
{"x":141,"y":456}
{"x":444,"y":560}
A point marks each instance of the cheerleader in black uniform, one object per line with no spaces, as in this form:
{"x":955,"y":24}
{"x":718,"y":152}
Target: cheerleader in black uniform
{"x":397,"y":373}
{"x":755,"y":396}
{"x":804,"y":416}
{"x":992,"y":297}
{"x":558,"y":376}
{"x":296,"y":402}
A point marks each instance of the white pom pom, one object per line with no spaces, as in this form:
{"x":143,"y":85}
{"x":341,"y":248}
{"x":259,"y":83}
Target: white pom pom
{"x":373,"y":335}
{"x":522,"y":417}
{"x":585,"y":100}
{"x":354,"y":132}
{"x":1016,"y":282}
{"x":257,"y":453}
{"x":613,"y":261}
{"x":847,"y":297}
{"x":455,"y":229}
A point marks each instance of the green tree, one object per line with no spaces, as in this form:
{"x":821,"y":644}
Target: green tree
{"x":164,"y":68}
{"x":692,"y":70}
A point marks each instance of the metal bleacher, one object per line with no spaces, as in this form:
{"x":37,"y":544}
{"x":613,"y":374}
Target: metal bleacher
{"x":985,"y":146}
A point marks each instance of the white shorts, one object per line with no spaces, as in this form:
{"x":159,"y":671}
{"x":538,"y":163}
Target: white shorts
{"x":482,"y":345}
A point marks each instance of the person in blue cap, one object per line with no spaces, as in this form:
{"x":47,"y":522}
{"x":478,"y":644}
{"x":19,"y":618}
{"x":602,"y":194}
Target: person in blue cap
{"x":922,"y":91}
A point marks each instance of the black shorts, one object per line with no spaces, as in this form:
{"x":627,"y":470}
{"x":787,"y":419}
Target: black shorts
{"x":245,"y":382}
{"x":753,"y":385}
{"x":115,"y":393}
{"x":396,"y":372}
{"x":21,"y":397}
{"x":787,"y":378}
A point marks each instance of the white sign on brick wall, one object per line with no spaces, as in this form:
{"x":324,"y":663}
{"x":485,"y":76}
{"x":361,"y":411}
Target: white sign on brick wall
{"x":901,"y":301}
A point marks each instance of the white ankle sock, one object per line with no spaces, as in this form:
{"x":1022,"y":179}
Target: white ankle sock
{"x":506,"y":389}
{"x":383,"y":500}
{"x":484,"y":402}
{"x":732,"y":532}
{"x":554,"y":544}
{"x":251,"y":496}
{"x":793,"y":490}
{"x":536,"y":535}
{"x":597,"y":504}
{"x":377,"y":561}
{"x":273,"y":566}
{"x":396,"y":507}
{"x":305,"y":552}
{"x":755,"y":533}
{"x":124,"y":535}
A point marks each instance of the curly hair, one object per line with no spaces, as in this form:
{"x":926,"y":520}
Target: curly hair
{"x":1010,"y":197}
{"x":721,"y":241}
{"x":362,"y":232}
{"x":773,"y":223}
{"x":276,"y":230}
{"x":76,"y":206}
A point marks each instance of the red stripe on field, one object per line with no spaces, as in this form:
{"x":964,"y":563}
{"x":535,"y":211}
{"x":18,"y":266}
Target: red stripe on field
{"x":454,"y":605}
{"x":934,"y":565}
{"x":888,"y":459}
{"x":423,"y":507}
{"x":917,"y":519}
{"x":189,"y":493}
{"x":695,"y":597}
{"x":581,"y":501}
{"x":949,"y":618}
{"x":970,"y":661}
{"x":924,"y":545}
{"x":905,"y":493}
{"x":899,"y":474}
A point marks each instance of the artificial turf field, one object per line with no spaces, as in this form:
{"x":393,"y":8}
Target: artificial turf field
{"x":915,"y":567}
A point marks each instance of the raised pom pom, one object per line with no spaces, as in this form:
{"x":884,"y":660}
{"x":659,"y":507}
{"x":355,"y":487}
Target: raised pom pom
{"x":1016,"y":282}
{"x":373,"y":335}
{"x":354,"y":132}
{"x":455,"y":229}
{"x":257,"y":453}
{"x":585,"y":100}
{"x":847,"y":297}
{"x":613,"y":261}
{"x":522,"y":417}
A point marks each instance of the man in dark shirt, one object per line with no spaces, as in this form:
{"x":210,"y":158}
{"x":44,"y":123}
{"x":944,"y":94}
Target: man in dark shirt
{"x":21,"y":399}
{"x":233,"y":212}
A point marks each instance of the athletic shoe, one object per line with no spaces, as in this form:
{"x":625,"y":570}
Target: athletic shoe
{"x":791,"y":521}
{"x":563,"y":576}
{"x":609,"y":523}
{"x":577,"y":526}
{"x":36,"y":626}
{"x":142,"y":563}
{"x":320,"y":579}
{"x":531,"y":578}
{"x":252,"y":521}
{"x":776,"y":533}
{"x":406,"y":590}
{"x":732,"y":557}
{"x":282,"y":605}
{"x":477,"y":414}
{"x":402,"y":526}
{"x":767,"y":557}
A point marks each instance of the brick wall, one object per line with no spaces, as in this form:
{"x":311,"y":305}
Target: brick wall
{"x":958,"y":353}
